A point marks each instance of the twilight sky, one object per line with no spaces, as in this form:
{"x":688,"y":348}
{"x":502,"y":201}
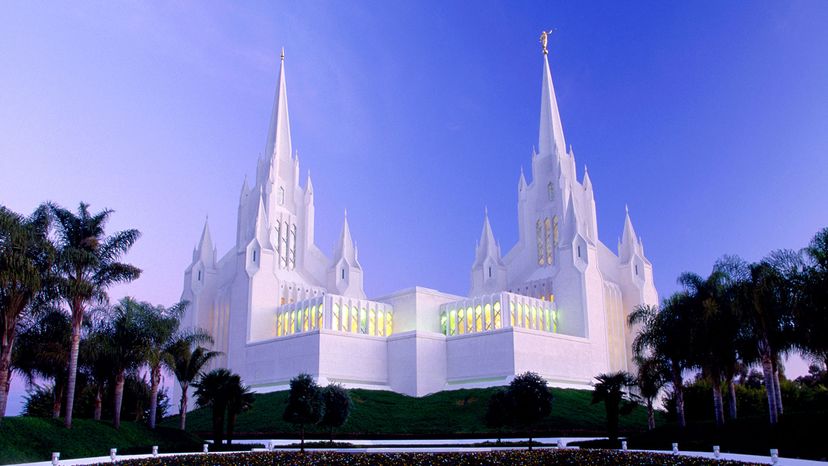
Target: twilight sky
{"x":710,"y":119}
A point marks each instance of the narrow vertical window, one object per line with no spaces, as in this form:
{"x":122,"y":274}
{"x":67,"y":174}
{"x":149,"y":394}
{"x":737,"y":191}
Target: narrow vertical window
{"x":343,"y":274}
{"x":550,"y":191}
{"x":254,"y":255}
{"x":539,"y":234}
{"x":490,"y":272}
{"x":636,"y":269}
{"x":281,"y":195}
{"x":292,"y":251}
{"x":547,"y":240}
{"x":579,"y":250}
{"x":199,"y":275}
{"x":497,"y":315}
{"x":555,"y":231}
{"x":278,"y":229}
{"x":335,"y":317}
{"x":487,"y":314}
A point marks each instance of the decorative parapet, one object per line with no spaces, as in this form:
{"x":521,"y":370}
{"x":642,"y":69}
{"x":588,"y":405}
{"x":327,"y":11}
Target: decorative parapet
{"x":499,"y":310}
{"x":338,"y":313}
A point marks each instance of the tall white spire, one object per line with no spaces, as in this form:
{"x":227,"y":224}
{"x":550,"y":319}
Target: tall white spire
{"x":345,"y":248}
{"x":629,"y":240}
{"x":550,"y":137}
{"x":487,"y":246}
{"x":205,"y":250}
{"x":278,"y":135}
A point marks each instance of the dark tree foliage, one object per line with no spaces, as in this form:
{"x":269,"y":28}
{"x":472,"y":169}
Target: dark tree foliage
{"x":498,"y":413}
{"x":305,"y":405}
{"x":531,"y":400}
{"x":611,"y":389}
{"x":239,"y":400}
{"x":337,"y":407}
{"x":211,"y":390}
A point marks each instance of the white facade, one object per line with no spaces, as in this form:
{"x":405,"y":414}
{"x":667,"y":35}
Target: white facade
{"x":555,"y":304}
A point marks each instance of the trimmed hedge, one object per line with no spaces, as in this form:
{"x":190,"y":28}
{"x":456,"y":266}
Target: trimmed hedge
{"x":496,"y":458}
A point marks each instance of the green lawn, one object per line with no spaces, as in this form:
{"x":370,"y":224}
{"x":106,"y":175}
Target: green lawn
{"x":28,"y":439}
{"x":443,"y":414}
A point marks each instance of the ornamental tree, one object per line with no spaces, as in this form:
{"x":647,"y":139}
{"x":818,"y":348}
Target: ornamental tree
{"x":305,"y":404}
{"x":337,"y":407}
{"x":531,"y":400}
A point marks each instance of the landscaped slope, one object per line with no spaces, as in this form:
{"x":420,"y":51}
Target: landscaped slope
{"x":448,"y":413}
{"x":28,"y":439}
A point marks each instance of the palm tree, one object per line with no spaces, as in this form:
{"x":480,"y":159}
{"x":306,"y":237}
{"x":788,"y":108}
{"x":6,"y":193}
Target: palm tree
{"x":41,"y":351}
{"x":239,"y":399}
{"x":94,"y":363}
{"x":127,"y":349}
{"x":812,"y":315}
{"x":162,"y":325}
{"x":211,"y":390}
{"x":186,"y":364}
{"x":611,"y":390}
{"x":87,"y":264}
{"x":650,"y":379}
{"x":26,"y":257}
{"x":663,"y":334}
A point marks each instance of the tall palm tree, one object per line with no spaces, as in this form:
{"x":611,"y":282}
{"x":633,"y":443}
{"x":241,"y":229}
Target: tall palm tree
{"x":41,"y":351}
{"x":26,"y":257}
{"x":663,"y":334}
{"x":127,"y":349}
{"x":163,"y":324}
{"x":652,"y":375}
{"x":186,"y":362}
{"x":812,"y":314}
{"x":95,"y":364}
{"x":87,"y":263}
{"x":611,"y":390}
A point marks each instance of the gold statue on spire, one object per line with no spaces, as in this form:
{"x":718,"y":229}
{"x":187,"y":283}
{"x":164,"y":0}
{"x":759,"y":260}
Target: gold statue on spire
{"x":544,"y":39}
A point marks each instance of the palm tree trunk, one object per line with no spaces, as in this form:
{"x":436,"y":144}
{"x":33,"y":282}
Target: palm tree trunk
{"x":182,"y":411}
{"x":678,"y":386}
{"x":155,"y":380}
{"x":98,"y":403}
{"x":731,"y":399}
{"x":231,"y":426}
{"x":650,"y":415}
{"x":767,"y":371}
{"x":120,"y":379}
{"x":57,"y":400}
{"x":5,"y":368}
{"x":530,"y":440}
{"x":777,"y":387}
{"x":218,"y":424}
{"x":77,"y":319}
{"x":718,"y":406}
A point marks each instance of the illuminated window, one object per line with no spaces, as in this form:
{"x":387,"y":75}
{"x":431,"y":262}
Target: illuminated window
{"x":306,"y":320}
{"x":478,"y":318}
{"x":389,"y":323}
{"x":363,"y":321}
{"x":354,"y":319}
{"x":540,"y":319}
{"x":335,"y":317}
{"x":453,"y":322}
{"x":539,"y":234}
{"x":534,"y":318}
{"x":527,"y":314}
{"x":313,"y":317}
{"x":469,"y":320}
{"x":511,"y":314}
{"x":555,"y":231}
{"x":461,"y":321}
{"x":548,"y":320}
{"x":487,"y":313}
{"x":278,"y":325}
{"x":380,"y":320}
{"x":372,"y":322}
{"x":292,"y":321}
{"x":555,"y":321}
{"x":443,"y":323}
{"x":497,"y":319}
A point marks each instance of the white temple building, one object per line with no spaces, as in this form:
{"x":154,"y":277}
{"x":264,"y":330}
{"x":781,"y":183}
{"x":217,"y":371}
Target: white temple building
{"x":556,"y":303}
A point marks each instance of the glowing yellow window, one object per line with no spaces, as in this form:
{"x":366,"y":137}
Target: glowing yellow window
{"x":354,"y":319}
{"x":313,"y":317}
{"x":540,"y":319}
{"x":527,"y":316}
{"x":555,"y":317}
{"x":380,"y":320}
{"x":335,"y":317}
{"x":487,"y":313}
{"x":511,"y":313}
{"x":469,"y":320}
{"x":497,"y":315}
{"x":443,"y":322}
{"x":453,"y":322}
{"x":461,"y":321}
{"x":372,"y":322}
{"x":363,"y":321}
{"x":306,"y":320}
{"x":478,"y":318}
{"x":534,"y":321}
{"x":320,"y":318}
{"x":278,"y":326}
{"x":389,"y":323}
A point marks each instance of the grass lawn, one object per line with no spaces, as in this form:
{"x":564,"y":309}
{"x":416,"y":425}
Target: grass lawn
{"x":798,"y":435}
{"x":28,"y":439}
{"x":496,"y":458}
{"x":446,"y":414}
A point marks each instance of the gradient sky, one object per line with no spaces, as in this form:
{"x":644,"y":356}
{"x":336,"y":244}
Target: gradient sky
{"x":710,"y":119}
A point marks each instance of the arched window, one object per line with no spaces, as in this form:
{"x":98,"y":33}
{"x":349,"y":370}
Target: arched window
{"x":478,"y":318}
{"x":372,"y":322}
{"x":550,"y":191}
{"x":547,"y":232}
{"x":389,"y":323}
{"x":469,"y":320}
{"x":487,"y":314}
{"x":281,"y":195}
{"x":292,"y":250}
{"x":453,"y":322}
{"x":380,"y":320}
{"x":354,"y":319}
{"x":497,"y":315}
{"x":335,"y":317}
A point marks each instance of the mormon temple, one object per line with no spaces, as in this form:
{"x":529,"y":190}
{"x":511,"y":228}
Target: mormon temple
{"x":556,"y":303}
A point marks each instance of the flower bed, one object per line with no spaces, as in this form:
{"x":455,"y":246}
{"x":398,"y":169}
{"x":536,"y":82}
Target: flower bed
{"x":495,"y":458}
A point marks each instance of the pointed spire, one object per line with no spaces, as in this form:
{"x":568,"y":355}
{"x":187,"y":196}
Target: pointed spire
{"x":487,"y":246}
{"x":244,"y":190}
{"x":345,"y":247}
{"x":204,"y":251}
{"x":521,"y":180}
{"x":309,"y":186}
{"x":587,"y":181}
{"x":551,"y":138}
{"x":262,"y":231}
{"x":278,"y":135}
{"x":629,"y":240}
{"x":572,"y":219}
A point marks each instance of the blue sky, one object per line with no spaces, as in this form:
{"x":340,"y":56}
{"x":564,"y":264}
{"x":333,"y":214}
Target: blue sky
{"x":709,"y":119}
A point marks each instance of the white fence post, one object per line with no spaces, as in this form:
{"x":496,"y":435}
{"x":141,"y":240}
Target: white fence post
{"x":206,"y":448}
{"x":675,"y":448}
{"x":154,"y":451}
{"x":774,"y":455}
{"x":113,"y":453}
{"x":624,"y":445}
{"x":716,"y":452}
{"x":560,"y":443}
{"x":55,"y":458}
